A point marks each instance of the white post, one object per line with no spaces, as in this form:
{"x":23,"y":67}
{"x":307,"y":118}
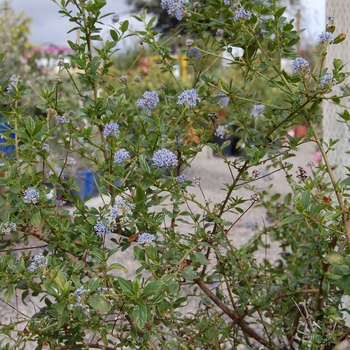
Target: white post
{"x":331,"y":128}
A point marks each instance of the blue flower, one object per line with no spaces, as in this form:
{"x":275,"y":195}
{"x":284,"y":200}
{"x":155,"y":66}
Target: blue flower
{"x":330,"y":18}
{"x":227,"y":2}
{"x":164,"y":158}
{"x":193,"y":52}
{"x":115,"y":18}
{"x":31,"y":196}
{"x":8,"y":227}
{"x":224,"y":100}
{"x":101,"y":229}
{"x":111,"y":129}
{"x":219,"y":32}
{"x":174,"y":7}
{"x":257,"y":110}
{"x":61,"y":119}
{"x":71,"y":161}
{"x":146,"y":238}
{"x":79,"y":293}
{"x":181,"y":178}
{"x":221,"y":131}
{"x":149,"y":100}
{"x":241,"y":14}
{"x":325,"y":37}
{"x":121,"y":156}
{"x":326,"y":80}
{"x":60,"y":203}
{"x":120,"y":208}
{"x":37,"y":261}
{"x":299,"y":63}
{"x":251,"y":224}
{"x":189,"y":97}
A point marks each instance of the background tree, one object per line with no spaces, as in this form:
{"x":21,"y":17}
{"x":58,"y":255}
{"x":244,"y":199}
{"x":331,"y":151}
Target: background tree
{"x":14,"y":29}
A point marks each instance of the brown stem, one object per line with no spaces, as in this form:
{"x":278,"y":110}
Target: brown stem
{"x":305,"y":291}
{"x":237,"y":319}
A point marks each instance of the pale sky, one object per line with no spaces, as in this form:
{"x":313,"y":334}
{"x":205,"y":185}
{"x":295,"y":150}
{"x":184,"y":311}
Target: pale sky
{"x":49,"y":27}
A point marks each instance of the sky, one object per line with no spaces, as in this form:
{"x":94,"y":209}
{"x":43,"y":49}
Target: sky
{"x":49,"y":27}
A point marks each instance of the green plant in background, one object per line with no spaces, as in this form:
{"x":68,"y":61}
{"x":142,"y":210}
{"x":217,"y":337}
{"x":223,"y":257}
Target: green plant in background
{"x":191,"y":287}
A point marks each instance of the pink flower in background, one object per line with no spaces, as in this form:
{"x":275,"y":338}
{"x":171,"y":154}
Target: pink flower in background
{"x":317,"y":157}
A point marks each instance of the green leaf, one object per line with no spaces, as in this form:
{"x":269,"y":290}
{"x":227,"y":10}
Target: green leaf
{"x":35,"y":216}
{"x":116,"y":266}
{"x":280,"y":12}
{"x":159,"y":297}
{"x":291,"y":218}
{"x":9,"y":293}
{"x":305,"y":199}
{"x":150,"y":23}
{"x":140,"y":314}
{"x":3,"y":181}
{"x":79,"y":266}
{"x":30,"y":125}
{"x":144,"y":165}
{"x":151,"y":288}
{"x":125,"y":285}
{"x":336,"y":259}
{"x":99,"y":303}
{"x":140,"y":195}
{"x":339,"y":38}
{"x":199,"y":257}
{"x":93,"y":283}
{"x":60,"y":280}
{"x":189,"y":274}
{"x":342,"y":270}
{"x":124,"y":27}
{"x":64,"y":317}
{"x":114,"y":35}
{"x":139,"y":254}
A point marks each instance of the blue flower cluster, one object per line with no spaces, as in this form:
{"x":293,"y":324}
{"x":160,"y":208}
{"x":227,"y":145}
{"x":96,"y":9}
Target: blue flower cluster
{"x":31,"y":196}
{"x":174,"y":7}
{"x":37,"y":261}
{"x":164,"y":158}
{"x":121,"y":156}
{"x":224,"y":100}
{"x":326,"y":80}
{"x":101,"y":229}
{"x":111,"y":129}
{"x":115,"y":18}
{"x":61,"y":119}
{"x":79,"y":292}
{"x":71,"y":161}
{"x":221,"y":131}
{"x":299,"y":63}
{"x":189,"y":98}
{"x":120,"y":208}
{"x":325,"y":37}
{"x":8,"y":227}
{"x":193,"y":52}
{"x":227,"y":2}
{"x":149,"y":100}
{"x":146,"y":238}
{"x":257,"y":110}
{"x":241,"y":15}
{"x":181,"y":178}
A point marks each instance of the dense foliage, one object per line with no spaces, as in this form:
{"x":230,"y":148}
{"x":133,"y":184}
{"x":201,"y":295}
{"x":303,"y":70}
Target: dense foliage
{"x":63,"y":277}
